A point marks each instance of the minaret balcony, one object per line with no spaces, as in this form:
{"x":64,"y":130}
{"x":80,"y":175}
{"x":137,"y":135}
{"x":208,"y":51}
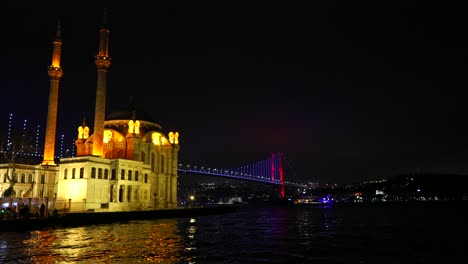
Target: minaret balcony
{"x":55,"y":72}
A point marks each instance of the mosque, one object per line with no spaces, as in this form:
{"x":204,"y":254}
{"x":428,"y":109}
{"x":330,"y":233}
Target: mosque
{"x":126,"y":164}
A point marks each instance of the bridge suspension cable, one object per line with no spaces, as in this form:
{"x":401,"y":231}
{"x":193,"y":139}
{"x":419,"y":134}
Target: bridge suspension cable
{"x":270,"y":170}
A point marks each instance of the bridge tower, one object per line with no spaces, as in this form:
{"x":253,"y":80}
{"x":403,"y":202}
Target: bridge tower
{"x":276,"y":161}
{"x":281,"y":173}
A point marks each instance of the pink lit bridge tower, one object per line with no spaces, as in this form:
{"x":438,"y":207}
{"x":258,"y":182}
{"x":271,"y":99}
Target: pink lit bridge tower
{"x":276,"y":161}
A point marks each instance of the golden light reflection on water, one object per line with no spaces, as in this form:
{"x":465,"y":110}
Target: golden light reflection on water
{"x":164,"y":243}
{"x":157,"y":241}
{"x":39,"y":245}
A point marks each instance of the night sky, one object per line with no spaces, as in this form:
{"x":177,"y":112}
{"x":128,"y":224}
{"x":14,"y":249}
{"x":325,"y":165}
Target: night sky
{"x":348,"y":92}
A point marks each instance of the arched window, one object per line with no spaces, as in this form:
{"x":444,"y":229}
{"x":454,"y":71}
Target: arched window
{"x":106,"y":174}
{"x":65,"y":173}
{"x":81,"y":173}
{"x":136,"y":175}
{"x":146,"y":177}
{"x":122,"y":174}
{"x":30,"y":178}
{"x":129,"y":175}
{"x":23,"y":178}
{"x":73,"y":173}
{"x":111,"y":192}
{"x":121,"y":190}
{"x":129,"y":193}
{"x":93,"y":173}
{"x":99,"y":174}
{"x":113,"y":174}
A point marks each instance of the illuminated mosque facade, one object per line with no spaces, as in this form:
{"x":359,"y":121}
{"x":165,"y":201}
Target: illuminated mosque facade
{"x":126,"y":164}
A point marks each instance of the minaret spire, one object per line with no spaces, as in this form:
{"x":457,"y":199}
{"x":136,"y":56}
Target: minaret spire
{"x":103,"y":63}
{"x":104,"y":19}
{"x":59,"y":33}
{"x":55,"y":73}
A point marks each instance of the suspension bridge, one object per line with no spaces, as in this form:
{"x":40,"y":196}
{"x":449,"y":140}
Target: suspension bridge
{"x":271,"y":170}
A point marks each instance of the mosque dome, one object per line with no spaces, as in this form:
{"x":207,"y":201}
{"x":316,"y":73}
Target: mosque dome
{"x":129,"y":113}
{"x":120,"y":118}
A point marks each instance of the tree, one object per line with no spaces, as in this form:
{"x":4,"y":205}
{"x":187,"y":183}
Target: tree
{"x":10,"y":191}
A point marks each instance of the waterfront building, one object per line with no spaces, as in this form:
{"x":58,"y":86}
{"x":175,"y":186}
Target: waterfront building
{"x":127,"y":163}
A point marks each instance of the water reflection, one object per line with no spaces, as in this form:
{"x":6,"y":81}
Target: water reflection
{"x":158,"y":241}
{"x":11,"y":246}
{"x":164,"y":244}
{"x":369,"y":234}
{"x":39,"y":246}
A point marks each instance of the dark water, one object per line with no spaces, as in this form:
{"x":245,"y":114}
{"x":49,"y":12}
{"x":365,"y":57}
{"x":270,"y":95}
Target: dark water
{"x":421,"y":233}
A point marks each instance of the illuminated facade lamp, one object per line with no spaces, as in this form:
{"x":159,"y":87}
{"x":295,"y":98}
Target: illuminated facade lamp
{"x":134,"y":127}
{"x":156,"y":138}
{"x":83,"y":131}
{"x":174,"y":138}
{"x":108,"y":136}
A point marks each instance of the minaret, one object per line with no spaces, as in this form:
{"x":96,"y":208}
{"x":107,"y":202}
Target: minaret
{"x":55,"y":73}
{"x":103,"y":63}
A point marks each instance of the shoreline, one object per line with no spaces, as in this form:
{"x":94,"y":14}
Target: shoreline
{"x":92,"y":218}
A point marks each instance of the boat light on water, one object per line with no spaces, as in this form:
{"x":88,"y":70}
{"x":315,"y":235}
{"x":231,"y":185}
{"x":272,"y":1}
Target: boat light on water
{"x":314,"y":200}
